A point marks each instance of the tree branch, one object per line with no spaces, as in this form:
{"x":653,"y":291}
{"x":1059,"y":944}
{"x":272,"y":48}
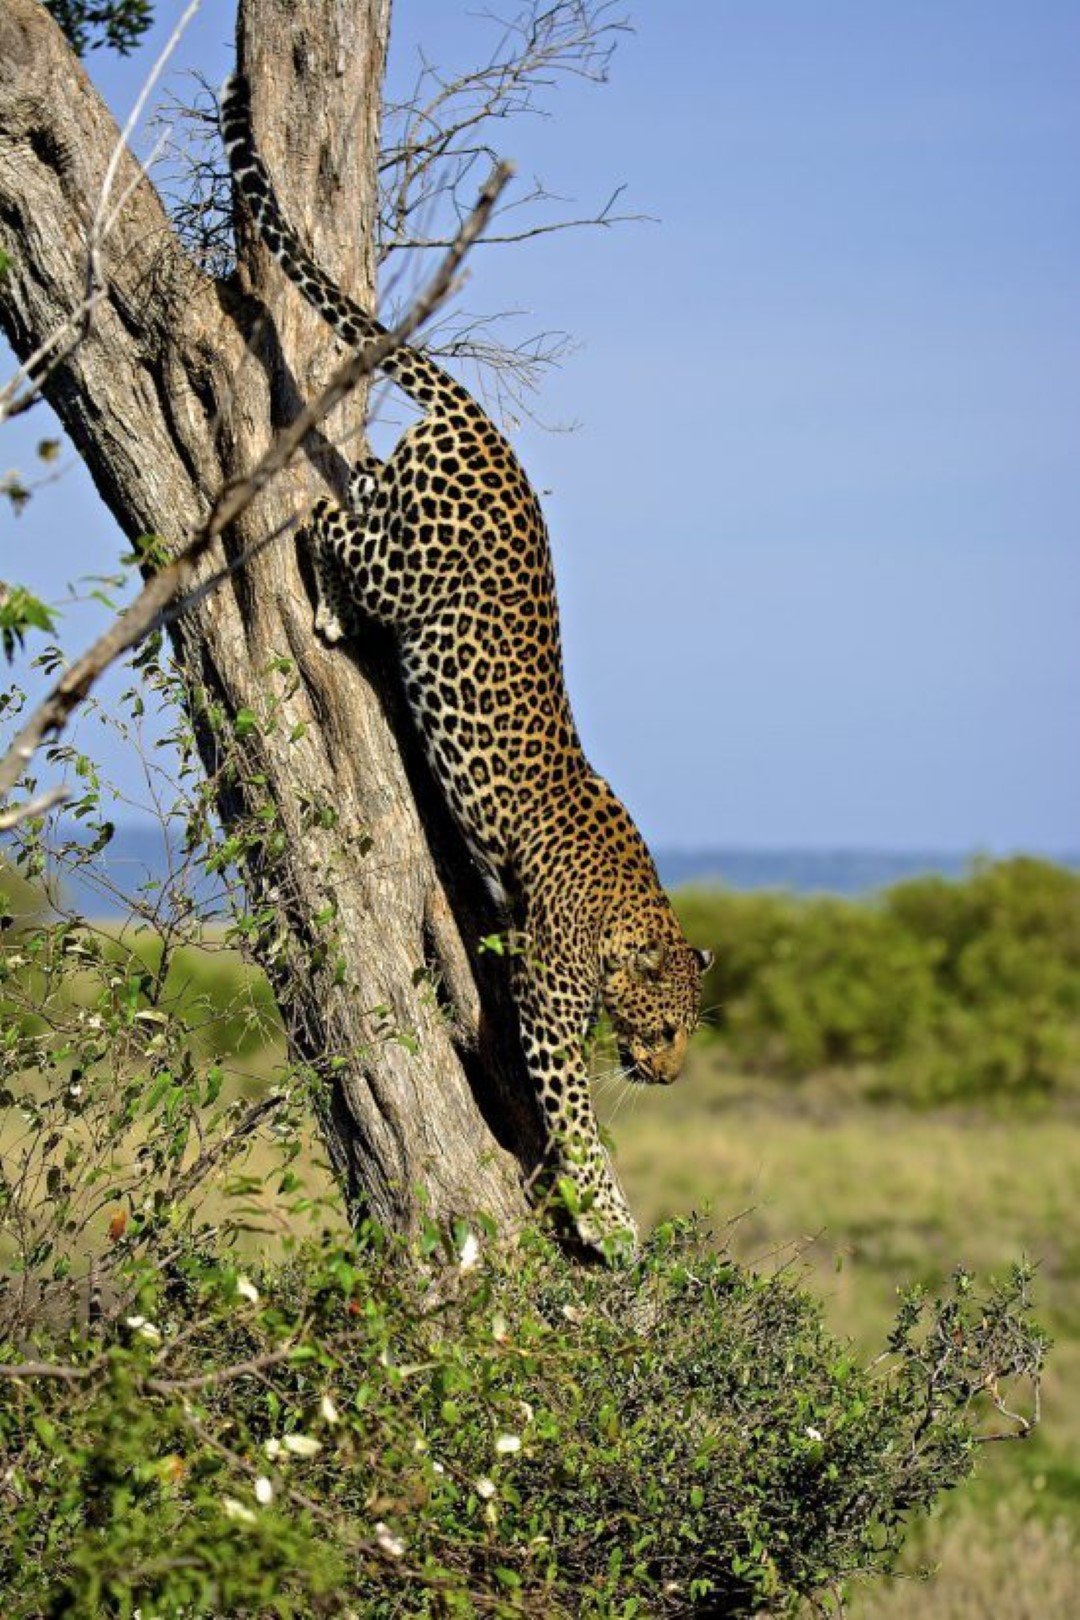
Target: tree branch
{"x":145,"y":613}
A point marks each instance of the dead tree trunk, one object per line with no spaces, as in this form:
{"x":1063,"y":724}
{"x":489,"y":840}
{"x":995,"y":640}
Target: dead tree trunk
{"x":369,"y":902}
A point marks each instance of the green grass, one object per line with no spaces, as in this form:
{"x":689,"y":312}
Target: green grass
{"x":866,"y":1198}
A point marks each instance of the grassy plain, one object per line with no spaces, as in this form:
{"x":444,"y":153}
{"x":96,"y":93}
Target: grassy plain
{"x":866,"y":1198}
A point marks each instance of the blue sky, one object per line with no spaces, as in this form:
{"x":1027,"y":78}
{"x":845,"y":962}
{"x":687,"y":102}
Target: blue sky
{"x":816,"y":532}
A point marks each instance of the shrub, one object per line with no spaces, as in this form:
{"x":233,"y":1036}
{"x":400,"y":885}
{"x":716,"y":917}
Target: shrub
{"x":950,"y":989}
{"x":373,"y":1432}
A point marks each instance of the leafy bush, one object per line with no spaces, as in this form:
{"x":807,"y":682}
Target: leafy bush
{"x":952,"y":989}
{"x":363,"y":1430}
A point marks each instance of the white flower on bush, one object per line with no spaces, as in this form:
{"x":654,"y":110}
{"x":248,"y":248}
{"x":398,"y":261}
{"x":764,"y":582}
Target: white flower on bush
{"x":815,"y":1434}
{"x":302,"y":1445}
{"x":505,"y":1444}
{"x":295,"y":1445}
{"x":247,"y":1289}
{"x":233,"y":1509}
{"x":329,"y":1411}
{"x":264,"y":1491}
{"x":144,"y":1328}
{"x":485,"y":1488}
{"x":388,"y":1541}
{"x":469,"y":1253}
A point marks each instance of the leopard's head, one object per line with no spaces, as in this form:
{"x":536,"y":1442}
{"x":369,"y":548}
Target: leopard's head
{"x":651,"y":991}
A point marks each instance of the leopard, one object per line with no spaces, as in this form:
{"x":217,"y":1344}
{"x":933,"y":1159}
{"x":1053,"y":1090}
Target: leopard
{"x":445,"y":544}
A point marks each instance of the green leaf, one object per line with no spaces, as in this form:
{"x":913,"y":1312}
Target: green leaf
{"x":20,"y":611}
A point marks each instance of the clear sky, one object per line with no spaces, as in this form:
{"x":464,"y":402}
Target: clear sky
{"x":817,"y":530}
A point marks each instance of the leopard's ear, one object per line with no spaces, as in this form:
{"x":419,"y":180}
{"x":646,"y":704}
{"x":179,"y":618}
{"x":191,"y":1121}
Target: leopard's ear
{"x":705,"y":959}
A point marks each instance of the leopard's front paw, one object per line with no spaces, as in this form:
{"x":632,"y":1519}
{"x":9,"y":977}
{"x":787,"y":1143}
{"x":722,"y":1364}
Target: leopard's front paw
{"x":328,"y":625}
{"x":597,"y":1213}
{"x":613,"y":1238}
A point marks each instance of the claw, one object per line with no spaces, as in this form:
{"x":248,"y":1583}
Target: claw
{"x":329,"y":626}
{"x":599,"y":1217}
{"x":615,"y":1241}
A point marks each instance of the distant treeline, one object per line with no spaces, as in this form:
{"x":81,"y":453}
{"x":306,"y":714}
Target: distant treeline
{"x":938,"y":989}
{"x":946,"y":989}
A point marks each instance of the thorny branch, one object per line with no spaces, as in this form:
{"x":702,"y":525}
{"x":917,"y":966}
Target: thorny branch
{"x":164,"y":590}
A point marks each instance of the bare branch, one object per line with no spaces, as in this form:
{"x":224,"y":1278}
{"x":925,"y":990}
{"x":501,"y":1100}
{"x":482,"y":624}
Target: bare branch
{"x":39,"y":806}
{"x":70,"y":1374}
{"x":440,"y":134}
{"x":45,"y":1369}
{"x":220,"y":1375}
{"x":605,"y":215}
{"x":195,"y":182}
{"x":164,"y":587}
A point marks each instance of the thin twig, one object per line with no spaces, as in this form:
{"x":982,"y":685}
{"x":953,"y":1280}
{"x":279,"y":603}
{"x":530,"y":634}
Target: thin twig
{"x":206,"y":1161}
{"x":220,"y":1375}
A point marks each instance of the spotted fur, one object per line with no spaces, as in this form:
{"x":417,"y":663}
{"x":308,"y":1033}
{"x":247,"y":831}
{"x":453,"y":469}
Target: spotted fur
{"x":447,"y":545}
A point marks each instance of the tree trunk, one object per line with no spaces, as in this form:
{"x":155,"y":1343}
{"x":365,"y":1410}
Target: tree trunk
{"x":372,"y":907}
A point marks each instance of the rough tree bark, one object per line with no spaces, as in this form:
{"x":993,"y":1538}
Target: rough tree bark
{"x":175,"y":390}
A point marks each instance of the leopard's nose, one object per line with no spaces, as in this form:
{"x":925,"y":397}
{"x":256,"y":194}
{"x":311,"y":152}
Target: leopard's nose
{"x":675,"y":1056}
{"x":663,"y":1065}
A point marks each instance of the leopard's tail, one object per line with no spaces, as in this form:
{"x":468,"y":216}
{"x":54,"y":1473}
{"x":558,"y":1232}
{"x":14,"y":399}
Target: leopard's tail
{"x":420,"y":377}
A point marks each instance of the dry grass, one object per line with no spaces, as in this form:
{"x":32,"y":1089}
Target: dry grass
{"x":986,"y":1568}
